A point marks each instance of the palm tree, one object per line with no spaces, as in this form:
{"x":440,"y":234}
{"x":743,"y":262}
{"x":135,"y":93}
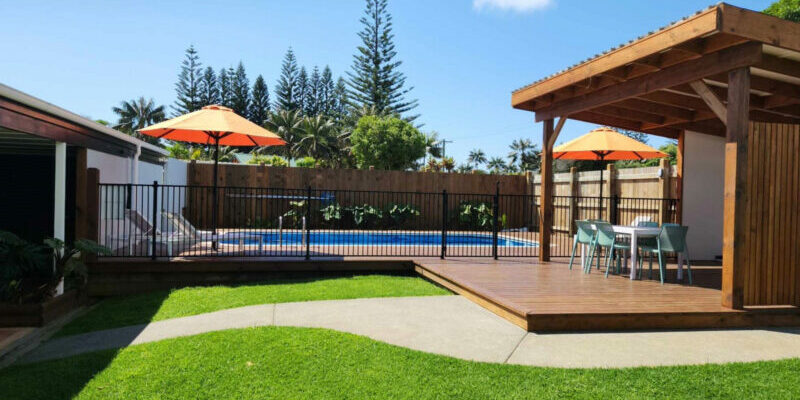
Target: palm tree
{"x":433,"y":147}
{"x":318,"y":138}
{"x":287,"y":125}
{"x":496,"y":165}
{"x":476,"y":157}
{"x":138,"y":114}
{"x":519,"y":148}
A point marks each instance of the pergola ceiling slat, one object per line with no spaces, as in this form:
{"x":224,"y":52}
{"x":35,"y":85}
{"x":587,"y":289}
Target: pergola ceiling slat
{"x":725,"y":60}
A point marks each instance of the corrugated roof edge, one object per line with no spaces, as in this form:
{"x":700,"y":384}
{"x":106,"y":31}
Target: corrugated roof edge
{"x":41,"y":105}
{"x":618,"y":47}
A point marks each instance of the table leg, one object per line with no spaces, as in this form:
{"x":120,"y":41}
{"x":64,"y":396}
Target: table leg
{"x":583,"y":255}
{"x":634,"y":256}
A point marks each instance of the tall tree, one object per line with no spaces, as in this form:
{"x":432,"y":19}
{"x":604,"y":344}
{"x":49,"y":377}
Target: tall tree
{"x":496,"y":165}
{"x":302,"y":89}
{"x":287,"y":125}
{"x":327,"y":92}
{"x":188,"y":86}
{"x":136,"y":114}
{"x":340,"y":99}
{"x":313,"y":96}
{"x":225,"y":87}
{"x":642,"y":137}
{"x":240,"y":96}
{"x":786,"y":9}
{"x":209,"y":91}
{"x":286,"y":97}
{"x":476,"y":157}
{"x":375,"y":79}
{"x":259,"y":107}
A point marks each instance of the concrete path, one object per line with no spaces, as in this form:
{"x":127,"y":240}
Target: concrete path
{"x":454,"y":326}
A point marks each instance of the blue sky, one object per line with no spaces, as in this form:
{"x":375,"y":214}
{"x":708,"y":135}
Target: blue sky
{"x":464,"y":57}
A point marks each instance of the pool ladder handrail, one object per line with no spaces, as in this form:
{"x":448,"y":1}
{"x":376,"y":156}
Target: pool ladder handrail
{"x":303,"y":233}
{"x":280,"y":230}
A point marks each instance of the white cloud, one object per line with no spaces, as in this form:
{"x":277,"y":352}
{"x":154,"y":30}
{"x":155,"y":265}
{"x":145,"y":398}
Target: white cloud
{"x":512,"y":5}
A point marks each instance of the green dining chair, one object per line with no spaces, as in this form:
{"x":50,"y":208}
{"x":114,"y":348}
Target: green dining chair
{"x":605,"y":238}
{"x":671,"y":239}
{"x":647,"y":242}
{"x":584,"y":236}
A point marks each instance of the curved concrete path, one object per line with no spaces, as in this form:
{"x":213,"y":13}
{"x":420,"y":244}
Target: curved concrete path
{"x":454,"y":326}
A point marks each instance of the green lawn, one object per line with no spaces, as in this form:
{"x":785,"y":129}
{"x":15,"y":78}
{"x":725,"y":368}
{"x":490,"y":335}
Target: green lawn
{"x":302,"y":363}
{"x":139,"y":309}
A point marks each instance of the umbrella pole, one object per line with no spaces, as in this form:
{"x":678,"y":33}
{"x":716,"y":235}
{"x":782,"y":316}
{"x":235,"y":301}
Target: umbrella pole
{"x":214,"y":202}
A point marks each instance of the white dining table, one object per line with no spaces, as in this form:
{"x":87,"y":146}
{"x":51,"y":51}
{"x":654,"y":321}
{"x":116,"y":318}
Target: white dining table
{"x":635,"y":232}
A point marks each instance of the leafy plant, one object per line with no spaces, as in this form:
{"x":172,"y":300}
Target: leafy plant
{"x":399,"y":214}
{"x":366,"y":216}
{"x":271,"y":160}
{"x":31,"y":272}
{"x":332,"y":214}
{"x":293,"y":217}
{"x":23,"y":267}
{"x":306,"y":162}
{"x":69,"y":259}
{"x":475,"y":215}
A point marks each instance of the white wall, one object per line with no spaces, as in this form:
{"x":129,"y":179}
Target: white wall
{"x":703,"y":191}
{"x":176,"y":171}
{"x":113,"y":169}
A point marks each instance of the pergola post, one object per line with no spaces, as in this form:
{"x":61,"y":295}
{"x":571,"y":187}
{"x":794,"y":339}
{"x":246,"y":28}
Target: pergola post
{"x":60,"y":198}
{"x":546,"y":196}
{"x":734,"y":249}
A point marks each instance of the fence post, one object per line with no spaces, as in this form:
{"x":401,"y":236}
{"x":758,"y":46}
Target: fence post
{"x":129,"y":196}
{"x":611,"y":186}
{"x":495,"y":214}
{"x":154,"y":222}
{"x":663,"y":191}
{"x":444,"y":224}
{"x":573,"y":199}
{"x":308,"y":223}
{"x":614,"y":216}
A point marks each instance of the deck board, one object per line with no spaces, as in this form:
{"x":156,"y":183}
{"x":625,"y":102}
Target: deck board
{"x":548,"y":296}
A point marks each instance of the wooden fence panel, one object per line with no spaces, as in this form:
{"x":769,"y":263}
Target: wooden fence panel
{"x":772,"y":272}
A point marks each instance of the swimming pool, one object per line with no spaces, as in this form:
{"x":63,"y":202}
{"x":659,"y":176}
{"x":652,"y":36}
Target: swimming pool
{"x":361,"y":238}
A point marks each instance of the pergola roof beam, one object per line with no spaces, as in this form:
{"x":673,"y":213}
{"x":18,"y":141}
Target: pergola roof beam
{"x":711,"y":64}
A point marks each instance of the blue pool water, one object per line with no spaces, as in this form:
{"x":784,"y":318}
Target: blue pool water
{"x":386,"y":239}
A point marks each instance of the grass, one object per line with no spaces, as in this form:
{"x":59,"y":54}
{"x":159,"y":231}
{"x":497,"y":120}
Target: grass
{"x":302,"y":363}
{"x":143,"y":308}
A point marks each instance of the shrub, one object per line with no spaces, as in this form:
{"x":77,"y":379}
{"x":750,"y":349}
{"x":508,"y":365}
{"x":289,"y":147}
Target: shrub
{"x":386,"y":143}
{"x":475,"y":215}
{"x":306,"y":162}
{"x":399,"y":214}
{"x":270,"y":160}
{"x":27,"y":272}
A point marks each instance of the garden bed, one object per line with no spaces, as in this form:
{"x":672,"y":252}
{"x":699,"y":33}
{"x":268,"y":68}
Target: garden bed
{"x":39,"y":314}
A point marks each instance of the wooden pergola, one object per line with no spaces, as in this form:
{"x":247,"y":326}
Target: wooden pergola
{"x":724,"y":71}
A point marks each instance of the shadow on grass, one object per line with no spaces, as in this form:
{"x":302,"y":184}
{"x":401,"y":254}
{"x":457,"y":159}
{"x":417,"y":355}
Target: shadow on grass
{"x":38,"y":381}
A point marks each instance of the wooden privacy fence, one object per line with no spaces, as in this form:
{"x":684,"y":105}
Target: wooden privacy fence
{"x":576,"y":193}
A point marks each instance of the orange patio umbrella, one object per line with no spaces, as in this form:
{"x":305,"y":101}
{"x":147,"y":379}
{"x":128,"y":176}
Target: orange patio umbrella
{"x":214,"y":125}
{"x":605,"y":144}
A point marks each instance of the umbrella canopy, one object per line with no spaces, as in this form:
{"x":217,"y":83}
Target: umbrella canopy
{"x":213,"y":125}
{"x":605,"y":144}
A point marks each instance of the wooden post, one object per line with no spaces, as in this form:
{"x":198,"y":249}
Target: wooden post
{"x":546,"y":198}
{"x":80,"y":193}
{"x":679,"y":183}
{"x":663,"y":191}
{"x":92,"y":193}
{"x":734,"y":246}
{"x":611,"y":189}
{"x":573,"y":193}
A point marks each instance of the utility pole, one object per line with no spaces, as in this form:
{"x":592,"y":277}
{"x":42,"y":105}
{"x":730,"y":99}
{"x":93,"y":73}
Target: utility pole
{"x":444,"y":143}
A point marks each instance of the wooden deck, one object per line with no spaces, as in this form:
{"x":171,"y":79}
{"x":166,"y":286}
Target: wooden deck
{"x":550,"y":297}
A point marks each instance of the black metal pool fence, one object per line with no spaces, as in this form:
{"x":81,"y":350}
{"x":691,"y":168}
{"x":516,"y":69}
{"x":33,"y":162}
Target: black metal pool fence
{"x":180,"y":221}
